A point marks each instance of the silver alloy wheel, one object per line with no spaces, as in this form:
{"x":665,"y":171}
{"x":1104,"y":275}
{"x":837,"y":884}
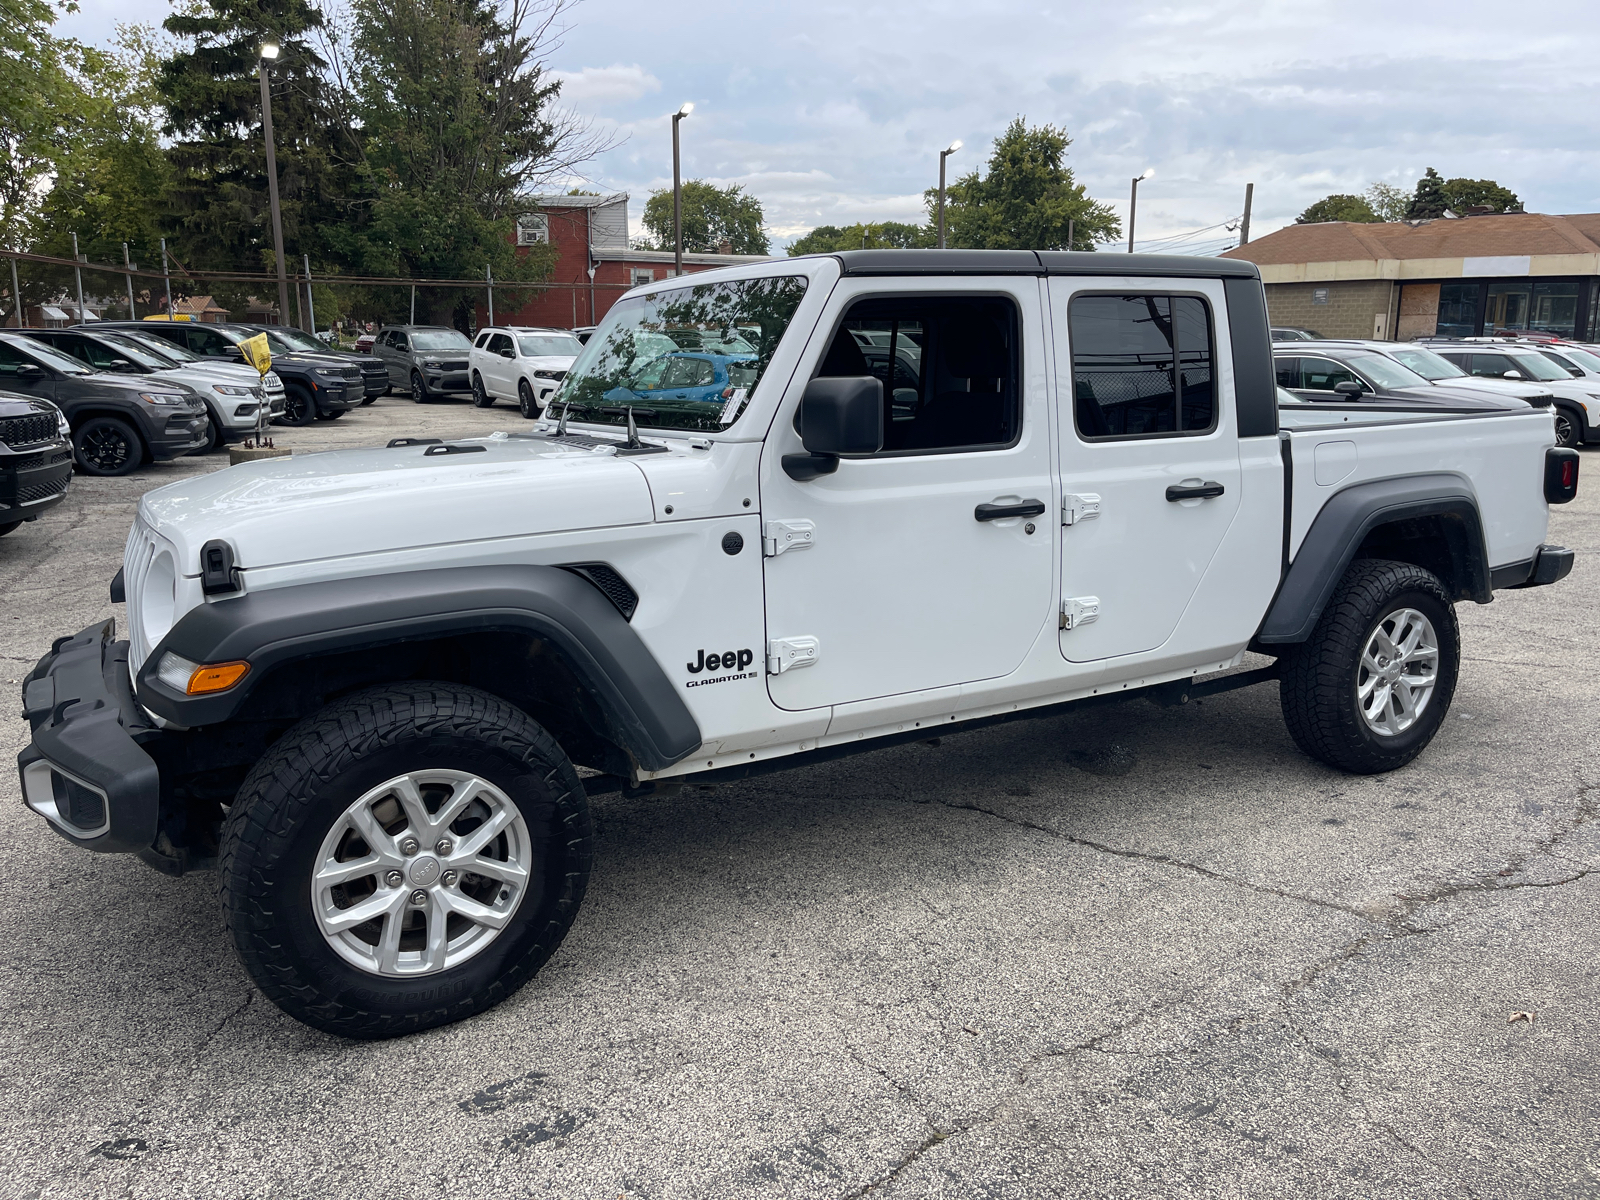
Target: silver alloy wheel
{"x":1398,"y":670}
{"x":389,"y":912}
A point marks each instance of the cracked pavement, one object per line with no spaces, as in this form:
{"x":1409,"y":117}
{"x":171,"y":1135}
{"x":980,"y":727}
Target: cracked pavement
{"x":1125,"y":952}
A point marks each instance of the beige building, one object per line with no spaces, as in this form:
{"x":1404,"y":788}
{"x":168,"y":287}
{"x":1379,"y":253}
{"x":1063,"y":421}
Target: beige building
{"x":1452,"y":277}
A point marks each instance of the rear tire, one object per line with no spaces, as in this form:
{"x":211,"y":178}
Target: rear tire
{"x":8,"y":527}
{"x":299,"y":408}
{"x":1387,"y":643}
{"x":444,"y":942}
{"x":106,"y":446}
{"x":480,"y":394}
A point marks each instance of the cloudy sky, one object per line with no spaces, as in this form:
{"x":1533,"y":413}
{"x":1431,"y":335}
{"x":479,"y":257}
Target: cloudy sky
{"x":832,"y":113}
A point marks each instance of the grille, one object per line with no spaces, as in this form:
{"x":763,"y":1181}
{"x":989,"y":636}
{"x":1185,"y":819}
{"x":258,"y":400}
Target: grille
{"x":350,"y":372}
{"x":141,"y":550}
{"x":28,"y":431}
{"x":1541,"y":401}
{"x":615,"y":588}
{"x":32,"y":493}
{"x":29,"y":461}
{"x":83,"y":809}
{"x":453,"y":366}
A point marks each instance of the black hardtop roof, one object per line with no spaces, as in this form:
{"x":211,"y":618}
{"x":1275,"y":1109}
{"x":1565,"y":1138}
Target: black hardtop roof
{"x":1041,"y":262}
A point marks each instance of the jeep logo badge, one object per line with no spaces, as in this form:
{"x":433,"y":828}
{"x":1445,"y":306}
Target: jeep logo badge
{"x":730,"y":660}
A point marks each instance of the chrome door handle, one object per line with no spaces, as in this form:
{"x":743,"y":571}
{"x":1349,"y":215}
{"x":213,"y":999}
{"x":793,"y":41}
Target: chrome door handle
{"x":993,"y":512}
{"x":1201,"y":491}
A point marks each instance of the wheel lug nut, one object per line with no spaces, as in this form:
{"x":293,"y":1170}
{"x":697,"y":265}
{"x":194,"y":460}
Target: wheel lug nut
{"x":449,"y":878}
{"x":394,"y":878}
{"x":419,"y":897}
{"x":444,"y":846}
{"x":409,"y":846}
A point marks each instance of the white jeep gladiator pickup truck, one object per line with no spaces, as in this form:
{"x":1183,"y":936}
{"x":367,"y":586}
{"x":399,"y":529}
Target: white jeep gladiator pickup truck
{"x":955,"y":488}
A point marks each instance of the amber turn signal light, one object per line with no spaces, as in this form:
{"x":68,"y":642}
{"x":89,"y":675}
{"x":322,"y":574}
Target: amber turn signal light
{"x":216,"y":678}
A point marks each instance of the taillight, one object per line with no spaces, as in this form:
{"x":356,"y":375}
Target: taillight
{"x":1560,"y":474}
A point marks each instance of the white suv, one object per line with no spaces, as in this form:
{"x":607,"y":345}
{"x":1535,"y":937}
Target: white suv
{"x":516,"y":362}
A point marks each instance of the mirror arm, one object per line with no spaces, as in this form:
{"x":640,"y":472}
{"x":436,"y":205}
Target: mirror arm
{"x":802,"y":467}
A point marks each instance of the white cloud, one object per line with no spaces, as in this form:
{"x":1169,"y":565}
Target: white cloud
{"x":597,"y":88}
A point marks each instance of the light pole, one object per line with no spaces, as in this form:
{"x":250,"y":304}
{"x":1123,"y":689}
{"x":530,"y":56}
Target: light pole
{"x":677,"y":191}
{"x":269,"y":53}
{"x":1133,"y":202}
{"x":944,"y":154}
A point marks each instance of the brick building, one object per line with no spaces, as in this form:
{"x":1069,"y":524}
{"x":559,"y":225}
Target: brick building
{"x":588,"y":232}
{"x":1454,"y":277}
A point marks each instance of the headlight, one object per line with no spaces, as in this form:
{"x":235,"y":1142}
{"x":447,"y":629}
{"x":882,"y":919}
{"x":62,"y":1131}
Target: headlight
{"x":543,"y":374}
{"x":330,"y":372}
{"x":61,"y":424}
{"x":431,"y":362}
{"x":228,"y":389}
{"x":176,"y":399}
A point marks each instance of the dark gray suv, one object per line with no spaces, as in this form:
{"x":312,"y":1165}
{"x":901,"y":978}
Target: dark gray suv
{"x":425,"y":360}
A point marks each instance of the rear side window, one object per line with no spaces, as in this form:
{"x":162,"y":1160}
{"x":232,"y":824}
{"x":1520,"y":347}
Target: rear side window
{"x":483,"y":339}
{"x":950,"y":368}
{"x":1142,"y":366}
{"x":1288,"y":370}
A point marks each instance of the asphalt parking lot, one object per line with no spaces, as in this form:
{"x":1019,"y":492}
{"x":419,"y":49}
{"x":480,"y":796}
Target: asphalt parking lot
{"x":1127,"y":952}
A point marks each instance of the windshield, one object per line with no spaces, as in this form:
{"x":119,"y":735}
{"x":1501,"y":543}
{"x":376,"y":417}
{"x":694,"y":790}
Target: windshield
{"x":1427,"y":364}
{"x":1385,"y":372}
{"x":664,"y":356}
{"x":52,"y":357}
{"x":1583,"y":358}
{"x":166,"y":349}
{"x":1537,"y":366}
{"x":297,"y":339}
{"x":537,"y":345}
{"x":138,"y":355}
{"x":438,"y":339}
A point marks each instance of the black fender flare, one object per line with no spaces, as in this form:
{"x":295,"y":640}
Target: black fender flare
{"x":644,"y":713}
{"x":1341,"y":526}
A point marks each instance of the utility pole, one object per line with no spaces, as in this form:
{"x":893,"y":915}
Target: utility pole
{"x":413,"y":304}
{"x":1133,"y":202}
{"x":944,"y":154}
{"x":268,"y":53}
{"x":78,"y":272}
{"x":677,"y":205}
{"x":16,"y":295}
{"x":488,"y":273}
{"x":166,"y":275}
{"x":311,"y":304}
{"x":1244,"y":224}
{"x":128,"y":275}
{"x":1072,"y":233}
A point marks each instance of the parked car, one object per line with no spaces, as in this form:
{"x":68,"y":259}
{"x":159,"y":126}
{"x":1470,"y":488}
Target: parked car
{"x":1288,"y":333}
{"x":1435,"y":369}
{"x":364,"y":344}
{"x":374,"y":723}
{"x":316,"y":386}
{"x":35,"y":458}
{"x":285,"y":339}
{"x":521,"y":363}
{"x":426,"y":360}
{"x":232,"y":399}
{"x":1329,"y":372}
{"x":1580,"y":362}
{"x":1577,"y":403}
{"x":227,"y":371}
{"x":687,"y":383}
{"x":118,"y":421}
{"x":583,"y":333}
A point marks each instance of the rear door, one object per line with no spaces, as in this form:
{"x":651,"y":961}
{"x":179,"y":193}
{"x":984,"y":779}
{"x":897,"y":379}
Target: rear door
{"x":1149,"y":458}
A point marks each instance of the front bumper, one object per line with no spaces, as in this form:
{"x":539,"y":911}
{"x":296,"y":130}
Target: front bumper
{"x":84,"y":771}
{"x":33,"y":483}
{"x":447,"y":381}
{"x":178,"y":434}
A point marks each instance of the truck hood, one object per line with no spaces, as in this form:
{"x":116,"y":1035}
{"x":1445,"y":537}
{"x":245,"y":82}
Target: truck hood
{"x":343,"y":503}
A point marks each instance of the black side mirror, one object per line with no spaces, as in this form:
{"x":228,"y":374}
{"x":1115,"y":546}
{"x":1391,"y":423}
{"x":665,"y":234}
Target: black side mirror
{"x":1349,"y":389}
{"x":508,"y":352}
{"x":839,"y":418}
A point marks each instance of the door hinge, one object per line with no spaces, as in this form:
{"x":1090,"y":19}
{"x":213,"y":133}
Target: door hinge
{"x":1079,"y":610}
{"x":787,"y":654}
{"x":1080,"y":508}
{"x":779,"y":536}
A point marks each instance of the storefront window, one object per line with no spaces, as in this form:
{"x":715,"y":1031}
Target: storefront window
{"x":1458,"y":310}
{"x":1526,"y":306}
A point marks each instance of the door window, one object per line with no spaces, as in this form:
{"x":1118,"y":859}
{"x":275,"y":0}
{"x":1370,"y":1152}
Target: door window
{"x":1323,"y":374}
{"x":949,"y":366}
{"x":209,"y":343}
{"x":10,"y":360}
{"x":1141,"y":366}
{"x":499,"y":343}
{"x":397,"y":341}
{"x":1288,"y":370}
{"x":1491,"y":366}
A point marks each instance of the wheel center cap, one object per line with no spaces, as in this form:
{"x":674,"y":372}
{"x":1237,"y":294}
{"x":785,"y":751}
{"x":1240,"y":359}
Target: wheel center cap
{"x":424,"y":870}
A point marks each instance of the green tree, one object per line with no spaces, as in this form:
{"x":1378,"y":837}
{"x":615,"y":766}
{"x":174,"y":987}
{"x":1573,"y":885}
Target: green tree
{"x":1428,"y":202}
{"x":711,"y":216}
{"x":1462,"y":194}
{"x":882,"y":235}
{"x":1388,"y":203}
{"x":1027,"y":201}
{"x":1338,"y":207}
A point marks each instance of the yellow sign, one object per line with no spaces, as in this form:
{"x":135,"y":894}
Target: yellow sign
{"x":167,"y":317}
{"x":257,"y":353}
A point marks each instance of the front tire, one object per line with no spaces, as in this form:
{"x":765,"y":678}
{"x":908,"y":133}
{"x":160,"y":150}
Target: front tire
{"x":480,"y":394}
{"x":525,"y":401}
{"x":1569,"y":428}
{"x":407,"y":857}
{"x":298,"y":407}
{"x":419,"y":389}
{"x":106,"y":446}
{"x":1370,"y":687}
{"x":213,"y":440}
{"x":8,"y":527}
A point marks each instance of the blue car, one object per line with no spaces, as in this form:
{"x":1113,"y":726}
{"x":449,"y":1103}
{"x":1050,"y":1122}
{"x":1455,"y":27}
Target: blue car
{"x":710,"y":385}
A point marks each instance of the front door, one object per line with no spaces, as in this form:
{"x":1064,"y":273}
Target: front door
{"x":893,"y":576}
{"x":1149,"y":459}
